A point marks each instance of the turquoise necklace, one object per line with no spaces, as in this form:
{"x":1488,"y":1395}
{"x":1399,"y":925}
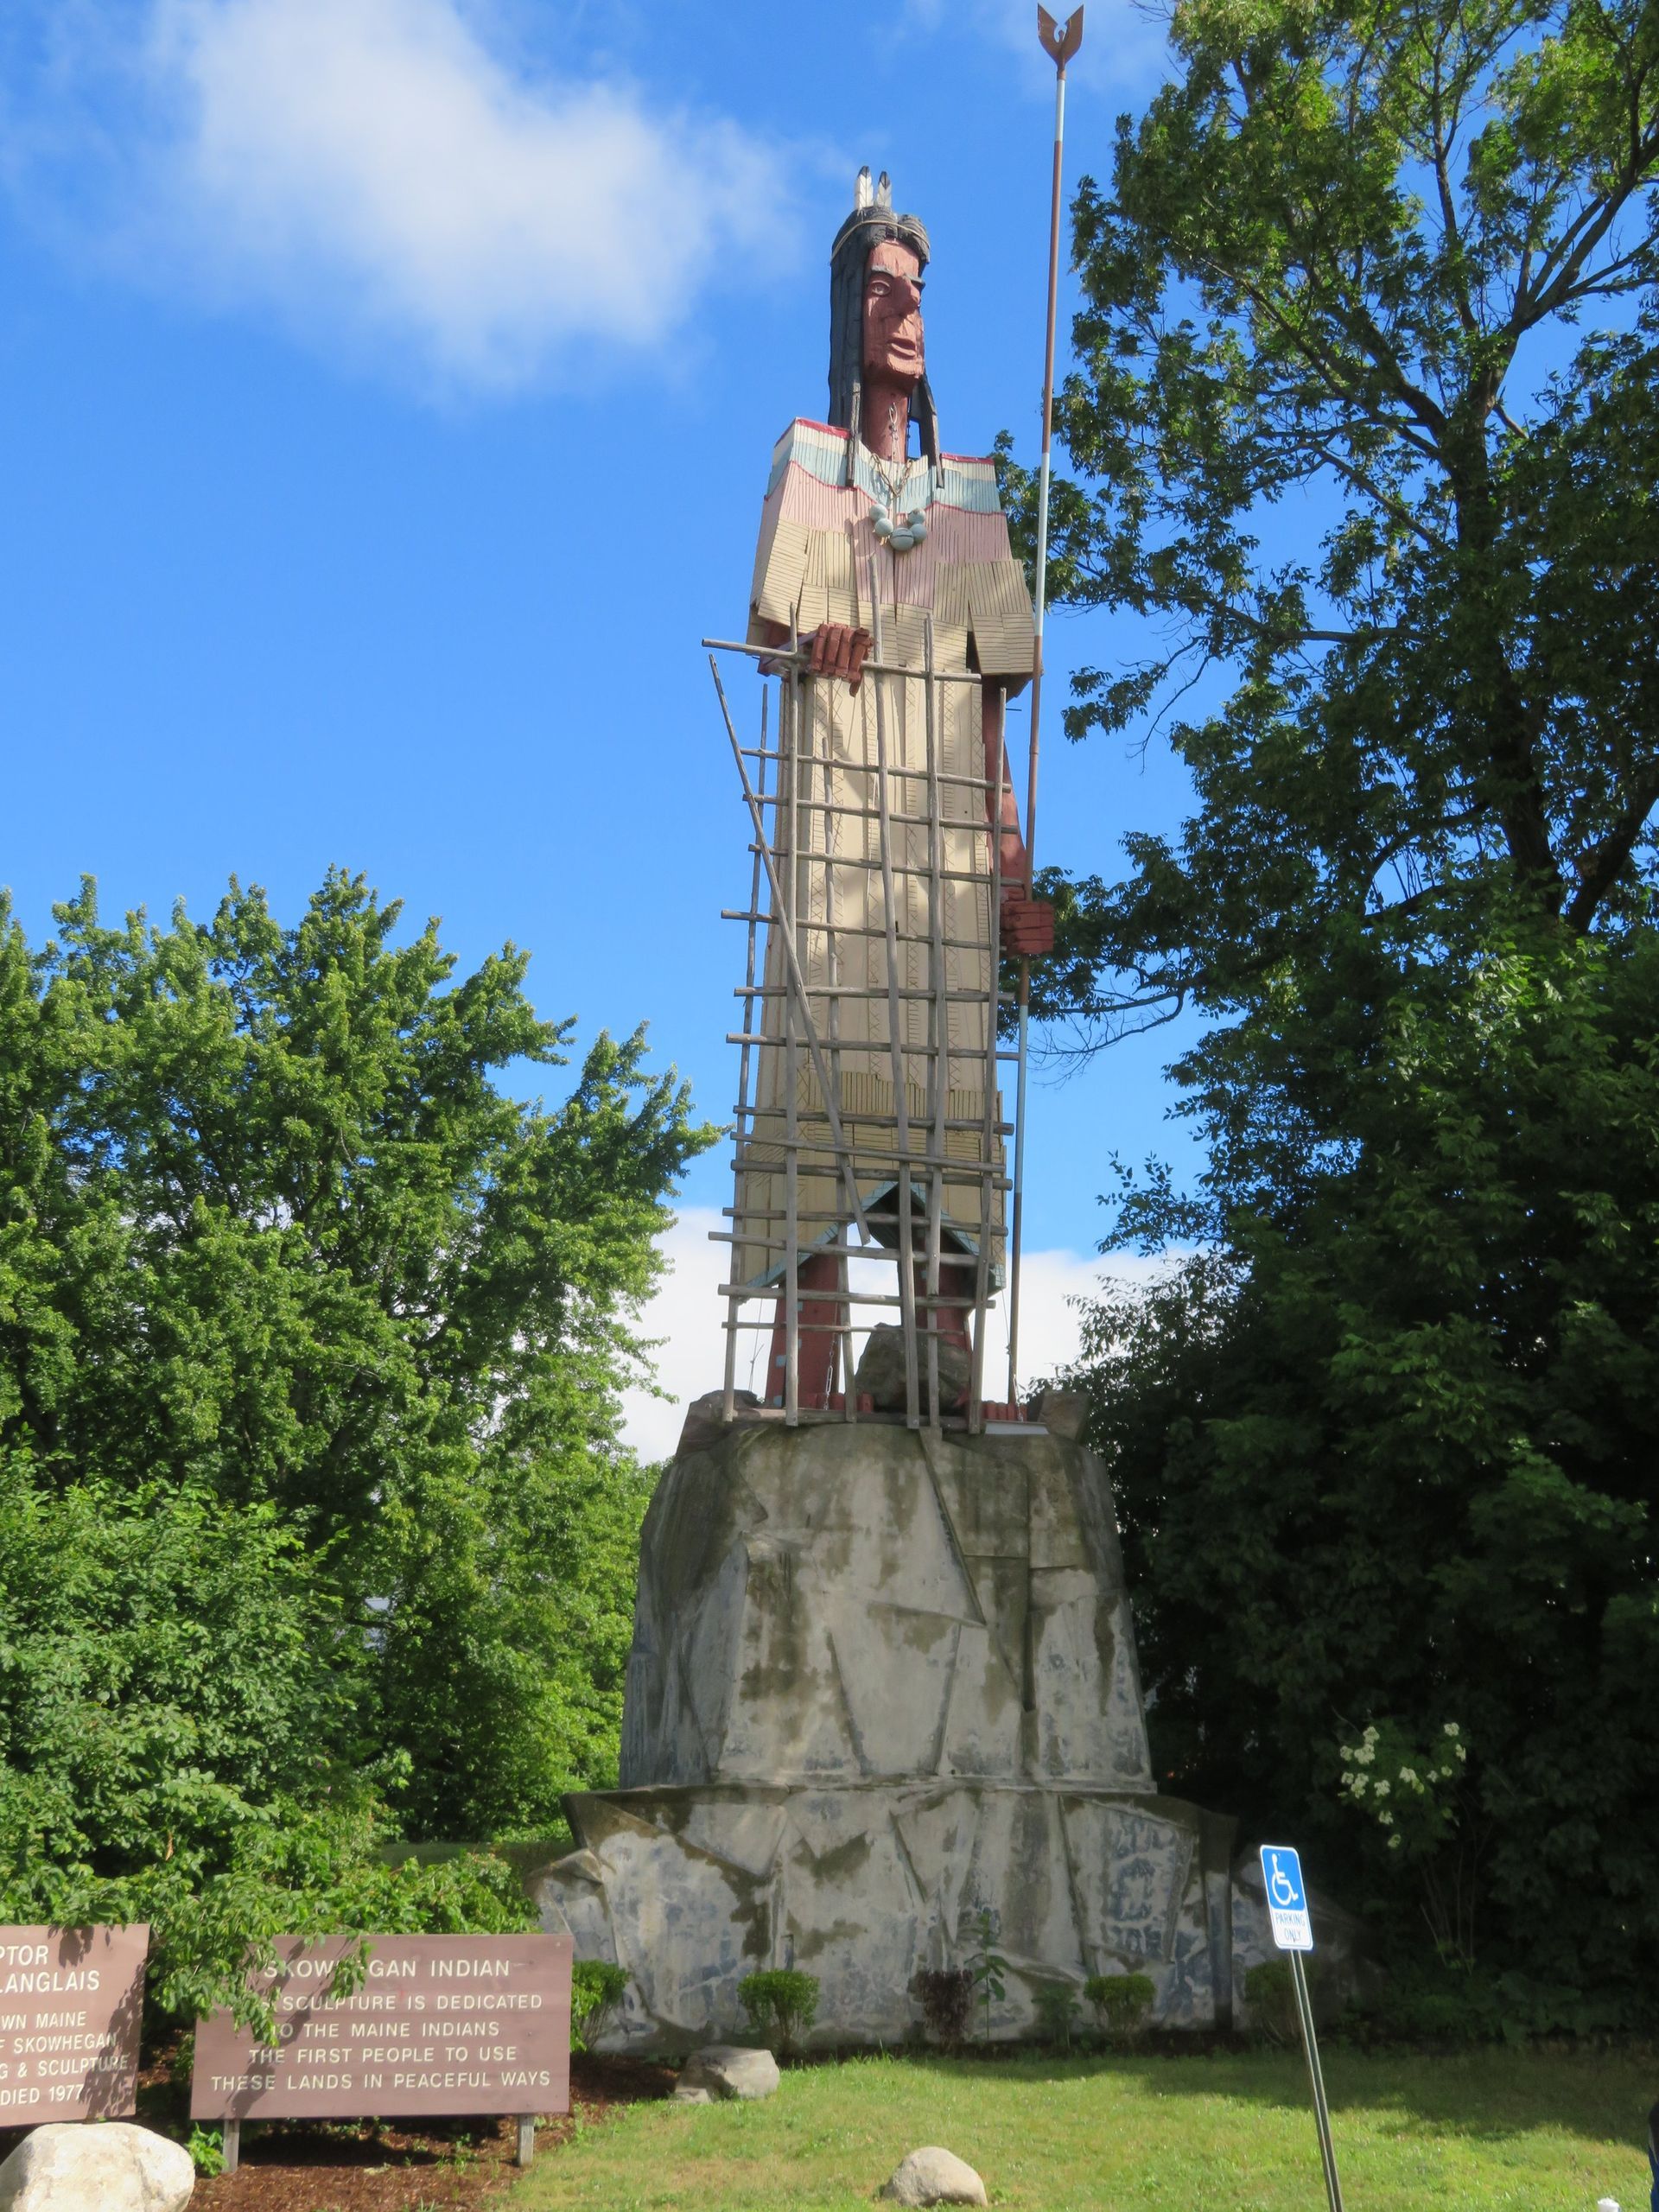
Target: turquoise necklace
{"x":899,"y":532}
{"x":893,"y":525}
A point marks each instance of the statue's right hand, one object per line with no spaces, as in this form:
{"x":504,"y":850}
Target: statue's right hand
{"x":840,"y":650}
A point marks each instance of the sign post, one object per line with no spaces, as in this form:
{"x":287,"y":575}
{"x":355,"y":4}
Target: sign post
{"x":1292,"y":1931}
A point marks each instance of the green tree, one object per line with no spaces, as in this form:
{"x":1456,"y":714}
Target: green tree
{"x":1384,"y":1454}
{"x":186,"y":1738}
{"x":1366,"y":421}
{"x":271,"y":1233}
{"x":1338,"y":253}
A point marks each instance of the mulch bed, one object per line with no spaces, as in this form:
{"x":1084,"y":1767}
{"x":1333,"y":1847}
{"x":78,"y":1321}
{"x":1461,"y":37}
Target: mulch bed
{"x":339,"y":2166}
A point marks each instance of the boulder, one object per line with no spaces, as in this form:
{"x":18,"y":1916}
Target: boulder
{"x":108,"y":2166}
{"x":880,"y":1375}
{"x":932,"y":2176}
{"x":1064,"y":1413}
{"x":692,"y":2097}
{"x":705,"y":1419}
{"x":729,"y":2069}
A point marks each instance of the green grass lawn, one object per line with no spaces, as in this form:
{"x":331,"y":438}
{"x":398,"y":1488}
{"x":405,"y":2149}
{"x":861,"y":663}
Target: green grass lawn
{"x":1529,"y":2133}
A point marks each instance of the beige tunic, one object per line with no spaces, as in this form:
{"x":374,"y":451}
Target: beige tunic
{"x":819,"y":561}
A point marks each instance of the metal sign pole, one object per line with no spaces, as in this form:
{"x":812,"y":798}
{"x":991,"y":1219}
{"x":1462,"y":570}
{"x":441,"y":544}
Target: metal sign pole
{"x":1321,"y":2110}
{"x":1291,"y":1920}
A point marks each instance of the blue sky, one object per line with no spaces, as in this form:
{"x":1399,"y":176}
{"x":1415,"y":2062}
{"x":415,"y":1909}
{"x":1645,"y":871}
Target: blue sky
{"x":386,"y":392}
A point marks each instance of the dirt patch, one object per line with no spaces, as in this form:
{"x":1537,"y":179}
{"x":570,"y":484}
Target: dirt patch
{"x":399,"y":2166}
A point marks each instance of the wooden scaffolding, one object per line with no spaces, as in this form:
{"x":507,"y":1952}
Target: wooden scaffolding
{"x":943,"y":1210}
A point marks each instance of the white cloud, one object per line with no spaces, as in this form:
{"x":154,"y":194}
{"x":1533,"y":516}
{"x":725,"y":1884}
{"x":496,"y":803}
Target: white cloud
{"x":687,"y":1312}
{"x":382,"y":177}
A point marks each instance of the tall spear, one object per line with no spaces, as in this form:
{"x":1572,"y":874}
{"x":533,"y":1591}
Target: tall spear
{"x":1059,"y":41}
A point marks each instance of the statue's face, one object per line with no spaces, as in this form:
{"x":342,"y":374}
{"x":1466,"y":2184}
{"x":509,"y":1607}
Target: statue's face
{"x":893,"y":314}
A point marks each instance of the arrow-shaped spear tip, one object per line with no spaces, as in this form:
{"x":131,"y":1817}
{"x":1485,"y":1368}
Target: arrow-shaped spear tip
{"x":1059,"y":40}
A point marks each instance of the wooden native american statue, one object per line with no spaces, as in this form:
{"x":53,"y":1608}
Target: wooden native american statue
{"x":873,"y":566}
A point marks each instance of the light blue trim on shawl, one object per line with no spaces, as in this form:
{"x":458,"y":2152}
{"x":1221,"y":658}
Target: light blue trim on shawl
{"x":969,"y":485}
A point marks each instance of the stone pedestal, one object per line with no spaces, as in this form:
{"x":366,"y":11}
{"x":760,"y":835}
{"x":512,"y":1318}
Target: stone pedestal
{"x":882,"y":1679}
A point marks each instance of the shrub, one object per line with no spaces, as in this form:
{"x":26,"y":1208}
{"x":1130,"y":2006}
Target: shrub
{"x":1122,"y":2001}
{"x":595,"y":1987}
{"x":1271,"y":1997}
{"x":947,"y":2001}
{"x":207,"y":2149}
{"x":781,"y":2003}
{"x":1056,"y":2013}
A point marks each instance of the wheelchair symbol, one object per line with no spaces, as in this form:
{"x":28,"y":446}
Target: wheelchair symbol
{"x":1285,"y":1892}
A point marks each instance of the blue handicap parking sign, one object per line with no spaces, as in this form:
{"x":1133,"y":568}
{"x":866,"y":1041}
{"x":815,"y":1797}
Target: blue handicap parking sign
{"x":1282,"y":1872}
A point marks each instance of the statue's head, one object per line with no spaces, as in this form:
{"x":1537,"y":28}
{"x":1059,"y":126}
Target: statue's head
{"x":892,"y":314}
{"x":876,"y":267}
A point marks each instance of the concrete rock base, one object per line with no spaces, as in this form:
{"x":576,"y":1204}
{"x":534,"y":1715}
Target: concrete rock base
{"x":859,"y":1603}
{"x":689,"y":1890}
{"x":883,"y":1680}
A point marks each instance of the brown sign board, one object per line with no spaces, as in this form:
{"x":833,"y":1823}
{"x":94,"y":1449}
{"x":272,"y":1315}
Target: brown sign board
{"x":440,"y":2025}
{"x":71,"y":1999}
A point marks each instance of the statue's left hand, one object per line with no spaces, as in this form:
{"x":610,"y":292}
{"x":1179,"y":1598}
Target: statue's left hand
{"x":839,"y":650}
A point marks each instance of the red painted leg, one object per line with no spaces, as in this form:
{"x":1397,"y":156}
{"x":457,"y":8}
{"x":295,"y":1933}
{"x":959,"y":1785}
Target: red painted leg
{"x":819,"y":1344}
{"x":958,"y":1281}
